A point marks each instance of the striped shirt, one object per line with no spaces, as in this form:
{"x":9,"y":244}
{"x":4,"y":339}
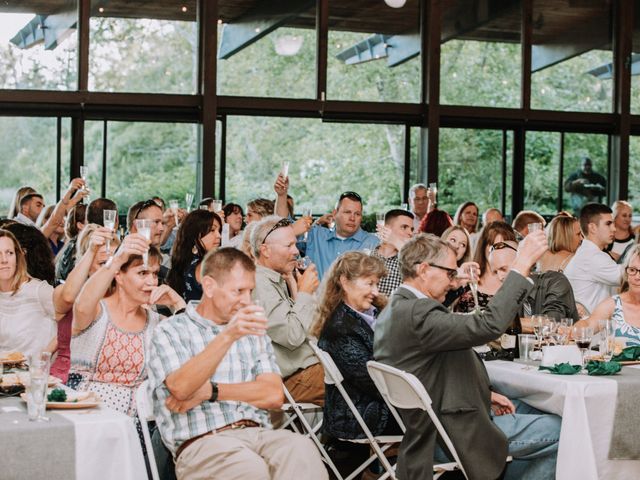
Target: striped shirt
{"x":178,"y":339}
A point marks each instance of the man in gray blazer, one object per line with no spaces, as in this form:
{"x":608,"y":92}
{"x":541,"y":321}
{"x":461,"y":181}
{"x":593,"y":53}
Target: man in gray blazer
{"x":416,"y":333}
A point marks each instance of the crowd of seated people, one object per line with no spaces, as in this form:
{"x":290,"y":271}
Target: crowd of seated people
{"x":216,"y":312}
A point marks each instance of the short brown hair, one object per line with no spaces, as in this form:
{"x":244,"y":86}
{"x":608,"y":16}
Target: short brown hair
{"x":218,"y":263}
{"x":261,"y":206}
{"x":424,"y":247}
{"x":590,"y":213}
{"x":525,"y":217}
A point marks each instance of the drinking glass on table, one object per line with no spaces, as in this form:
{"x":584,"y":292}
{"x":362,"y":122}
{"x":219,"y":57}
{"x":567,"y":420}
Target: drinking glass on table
{"x":607,"y":343}
{"x":526,"y":343}
{"x":582,"y":337}
{"x":143,"y":226}
{"x":174,"y":205}
{"x":39,"y":364}
{"x":109,"y":221}
{"x":188,"y":200}
{"x":539,"y":325}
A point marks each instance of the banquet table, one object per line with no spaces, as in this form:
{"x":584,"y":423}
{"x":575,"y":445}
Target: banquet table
{"x":587,"y":406}
{"x":105,"y":443}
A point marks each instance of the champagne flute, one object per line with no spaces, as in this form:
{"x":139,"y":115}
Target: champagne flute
{"x":109,"y":221}
{"x":84,"y":174}
{"x":188,"y":200}
{"x":607,"y":344}
{"x":217,"y":205}
{"x":174,"y":205}
{"x":306,"y":212}
{"x":582,"y":337}
{"x":285,"y":169}
{"x":143,"y":226}
{"x":473,"y":286}
{"x":434,"y":188}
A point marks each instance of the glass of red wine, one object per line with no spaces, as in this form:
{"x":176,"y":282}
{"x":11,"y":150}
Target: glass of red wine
{"x":582,"y":337}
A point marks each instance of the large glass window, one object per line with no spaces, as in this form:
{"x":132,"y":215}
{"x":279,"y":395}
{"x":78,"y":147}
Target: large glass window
{"x":148,"y":47}
{"x":94,"y":154}
{"x":592,"y":175}
{"x":325,"y":159}
{"x":264,"y":51}
{"x":634,"y":174}
{"x":635,"y":62}
{"x":38,"y":45}
{"x":374,"y":52}
{"x":571,"y":56}
{"x":542,"y":164}
{"x":28,"y":152}
{"x":148,"y":159}
{"x":471,"y":168}
{"x":480,"y":58}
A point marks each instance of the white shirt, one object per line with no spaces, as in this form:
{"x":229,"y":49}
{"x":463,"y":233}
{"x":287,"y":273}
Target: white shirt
{"x":593,"y":275}
{"x":26,"y":318}
{"x":416,"y":221}
{"x":20,"y":218}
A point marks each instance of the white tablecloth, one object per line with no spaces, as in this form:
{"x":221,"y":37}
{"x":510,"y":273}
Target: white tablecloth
{"x":587,"y":406}
{"x":107,"y":445}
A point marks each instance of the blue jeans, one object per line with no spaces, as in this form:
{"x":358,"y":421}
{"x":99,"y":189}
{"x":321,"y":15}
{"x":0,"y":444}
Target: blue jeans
{"x":533,"y":443}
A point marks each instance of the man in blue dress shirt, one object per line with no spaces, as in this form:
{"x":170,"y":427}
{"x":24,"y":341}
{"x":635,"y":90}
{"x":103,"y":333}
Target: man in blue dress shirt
{"x":324,"y":245}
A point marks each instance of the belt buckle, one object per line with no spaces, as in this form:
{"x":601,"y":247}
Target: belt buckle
{"x":238,"y":426}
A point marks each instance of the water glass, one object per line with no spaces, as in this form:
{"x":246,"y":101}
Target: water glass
{"x":39,"y":365}
{"x":526,"y":343}
{"x":607,"y":343}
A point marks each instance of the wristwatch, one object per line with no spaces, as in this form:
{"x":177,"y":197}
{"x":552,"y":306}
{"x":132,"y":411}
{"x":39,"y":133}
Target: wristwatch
{"x":214,"y":392}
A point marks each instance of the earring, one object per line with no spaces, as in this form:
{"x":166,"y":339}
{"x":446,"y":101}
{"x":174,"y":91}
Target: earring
{"x":194,"y":250}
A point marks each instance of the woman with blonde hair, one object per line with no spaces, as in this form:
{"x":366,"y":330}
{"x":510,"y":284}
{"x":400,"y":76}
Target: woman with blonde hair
{"x":459,"y":240}
{"x":347,"y":312}
{"x":564,"y":237}
{"x":26,"y":304}
{"x":15,"y":202}
{"x":624,"y":237}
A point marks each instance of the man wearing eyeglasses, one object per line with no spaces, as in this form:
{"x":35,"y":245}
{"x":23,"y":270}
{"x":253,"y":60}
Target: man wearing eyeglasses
{"x":416,"y":333}
{"x":325,"y":245}
{"x":290,"y":306}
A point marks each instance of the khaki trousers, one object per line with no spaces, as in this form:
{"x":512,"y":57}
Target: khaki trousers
{"x":307,"y":385}
{"x":251,"y":454}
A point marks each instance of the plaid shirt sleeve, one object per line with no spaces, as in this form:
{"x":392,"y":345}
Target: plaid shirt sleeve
{"x":163,"y":357}
{"x":265,"y":358}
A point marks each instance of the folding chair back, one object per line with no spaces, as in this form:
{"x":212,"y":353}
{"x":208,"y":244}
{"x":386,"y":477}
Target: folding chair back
{"x":144,"y":406}
{"x":401,"y":389}
{"x":334,"y":377}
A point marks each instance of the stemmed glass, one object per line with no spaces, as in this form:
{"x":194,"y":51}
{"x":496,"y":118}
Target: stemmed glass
{"x":473,"y":286}
{"x":174,"y":205}
{"x":143,"y":226}
{"x":109,"y":221}
{"x":607,"y":344}
{"x":303,"y":263}
{"x":39,"y":364}
{"x":216,"y":205}
{"x":582,"y":337}
{"x":306,"y":212}
{"x":541,"y":327}
{"x":84,"y":174}
{"x":285,"y":169}
{"x":188,"y":200}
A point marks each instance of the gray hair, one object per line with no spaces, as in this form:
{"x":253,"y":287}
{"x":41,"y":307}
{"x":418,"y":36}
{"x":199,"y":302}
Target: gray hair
{"x":260,"y":231}
{"x":424,"y":247}
{"x":415,"y":188}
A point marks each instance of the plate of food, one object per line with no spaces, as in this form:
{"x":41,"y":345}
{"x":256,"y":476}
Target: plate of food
{"x":12,"y":358}
{"x":67,"y":399}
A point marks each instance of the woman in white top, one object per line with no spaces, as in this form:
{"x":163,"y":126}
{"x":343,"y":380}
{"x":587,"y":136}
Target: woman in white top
{"x":624,"y":236}
{"x":623,"y":309}
{"x":26,"y":304}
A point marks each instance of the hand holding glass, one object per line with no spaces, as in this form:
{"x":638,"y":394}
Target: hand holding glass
{"x":109,"y":221}
{"x":143,"y":226}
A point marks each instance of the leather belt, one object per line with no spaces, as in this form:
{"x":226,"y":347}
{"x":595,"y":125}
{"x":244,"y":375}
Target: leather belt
{"x":232,"y":426}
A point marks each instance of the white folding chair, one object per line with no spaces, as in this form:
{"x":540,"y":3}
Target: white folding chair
{"x":145,"y":414}
{"x":379,"y":444}
{"x":403,"y":390}
{"x":292,"y":411}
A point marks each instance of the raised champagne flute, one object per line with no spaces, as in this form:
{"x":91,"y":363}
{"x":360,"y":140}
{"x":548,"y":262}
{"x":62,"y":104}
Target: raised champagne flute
{"x":84,"y":174}
{"x":285,"y":169}
{"x":306,"y":212}
{"x":188,"y":200}
{"x":143,"y":226}
{"x":473,"y":286}
{"x":216,"y":205}
{"x":174,"y":205}
{"x":109,"y":221}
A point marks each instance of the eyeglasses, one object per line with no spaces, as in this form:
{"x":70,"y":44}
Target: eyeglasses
{"x":285,"y":222}
{"x":631,"y":271}
{"x":351,"y":196}
{"x":144,"y":206}
{"x":502,"y":245}
{"x":452,"y":273}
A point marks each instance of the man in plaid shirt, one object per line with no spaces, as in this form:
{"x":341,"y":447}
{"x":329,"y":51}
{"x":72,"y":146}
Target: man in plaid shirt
{"x":398,"y":229}
{"x":212,"y":375}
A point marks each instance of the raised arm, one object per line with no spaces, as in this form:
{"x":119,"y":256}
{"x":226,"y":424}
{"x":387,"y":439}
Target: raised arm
{"x":68,"y":201}
{"x":86,"y":306}
{"x":281,"y":187}
{"x":65,"y":294}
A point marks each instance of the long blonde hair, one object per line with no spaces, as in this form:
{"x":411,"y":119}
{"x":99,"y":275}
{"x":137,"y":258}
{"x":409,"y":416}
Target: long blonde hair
{"x":20,"y":276}
{"x":350,"y":265}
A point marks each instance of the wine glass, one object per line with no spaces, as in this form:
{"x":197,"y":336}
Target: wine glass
{"x":188,"y":200}
{"x":174,"y":205}
{"x":303,"y":263}
{"x":540,"y":327}
{"x":109,"y":221}
{"x":607,"y":344}
{"x":582,"y":337}
{"x":473,"y":286}
{"x":143,"y":227}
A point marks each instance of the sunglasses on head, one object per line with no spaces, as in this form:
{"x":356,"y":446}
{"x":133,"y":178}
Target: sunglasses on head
{"x":285,"y":222}
{"x":502,"y":245}
{"x":350,"y":196}
{"x":144,"y":206}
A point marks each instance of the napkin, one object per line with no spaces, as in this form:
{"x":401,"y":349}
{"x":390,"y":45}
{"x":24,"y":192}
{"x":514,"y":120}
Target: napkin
{"x":562,"y":369}
{"x":629,"y":353}
{"x":595,"y":367}
{"x":556,"y":354}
